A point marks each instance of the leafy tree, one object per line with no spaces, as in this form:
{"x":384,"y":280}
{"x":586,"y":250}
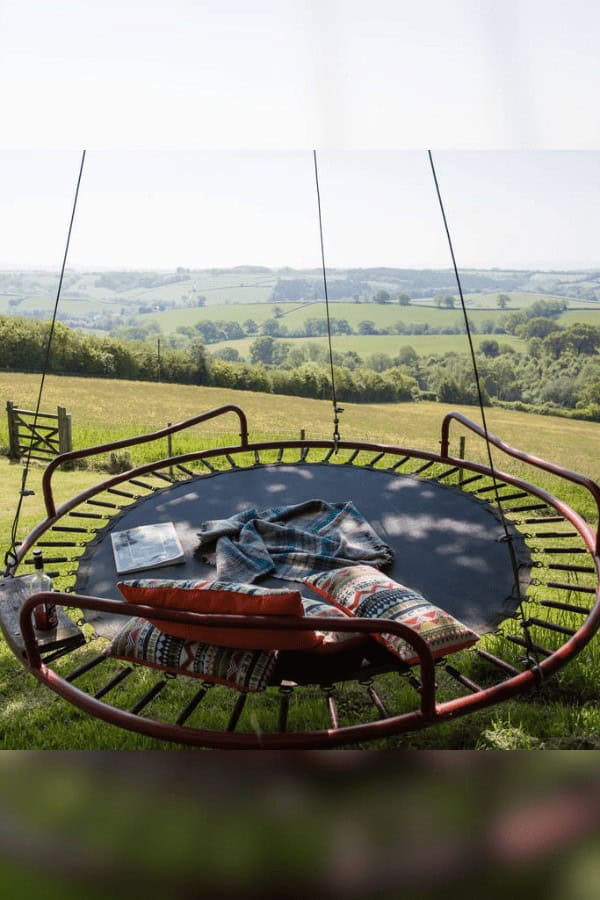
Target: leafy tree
{"x":546,"y":308}
{"x":200,"y":363}
{"x":250,"y":326}
{"x":379,"y":362}
{"x":583,"y":338}
{"x":382,"y":297}
{"x":407,"y":356}
{"x":233,"y":330}
{"x":261,"y":350}
{"x":367,"y":327}
{"x":341,"y":326}
{"x":404,"y":299}
{"x":351,"y":360}
{"x":273,"y":328}
{"x":315,"y":327}
{"x":187,"y":330}
{"x":502,"y":301}
{"x":209,"y":331}
{"x":490,"y":348}
{"x":539,"y":326}
{"x":229,"y":354}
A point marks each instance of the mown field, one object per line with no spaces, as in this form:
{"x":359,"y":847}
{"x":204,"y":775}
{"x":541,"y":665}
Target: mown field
{"x":366,"y":344}
{"x":567,"y":714}
{"x":106,"y":409}
{"x":482,"y":308}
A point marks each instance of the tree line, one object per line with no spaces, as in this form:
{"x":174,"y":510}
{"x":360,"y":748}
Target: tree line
{"x":558,"y":372}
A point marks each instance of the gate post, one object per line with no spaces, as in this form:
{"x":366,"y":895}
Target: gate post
{"x":65,"y":437}
{"x":13,"y":431}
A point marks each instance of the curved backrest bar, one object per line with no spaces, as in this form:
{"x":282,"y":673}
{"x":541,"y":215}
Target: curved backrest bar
{"x":210,"y":620}
{"x":536,"y":461}
{"x":140,"y":439}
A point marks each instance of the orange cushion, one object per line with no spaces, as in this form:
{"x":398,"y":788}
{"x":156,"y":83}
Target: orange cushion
{"x":241,"y":599}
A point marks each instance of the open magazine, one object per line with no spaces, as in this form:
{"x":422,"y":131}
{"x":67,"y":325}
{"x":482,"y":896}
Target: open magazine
{"x":146,"y":547}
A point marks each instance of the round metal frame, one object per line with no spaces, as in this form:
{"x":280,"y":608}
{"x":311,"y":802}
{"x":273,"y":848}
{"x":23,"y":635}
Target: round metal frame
{"x":560,"y":615}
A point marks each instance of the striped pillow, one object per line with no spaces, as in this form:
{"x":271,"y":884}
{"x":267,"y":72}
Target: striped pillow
{"x":367,"y":593}
{"x":139,"y":641}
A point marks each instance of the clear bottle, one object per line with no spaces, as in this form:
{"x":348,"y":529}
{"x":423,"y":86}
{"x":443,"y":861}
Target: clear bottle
{"x":45,"y":616}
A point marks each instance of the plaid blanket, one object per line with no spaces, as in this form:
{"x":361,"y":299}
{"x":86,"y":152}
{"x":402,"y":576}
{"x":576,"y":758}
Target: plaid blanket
{"x":290,"y":542}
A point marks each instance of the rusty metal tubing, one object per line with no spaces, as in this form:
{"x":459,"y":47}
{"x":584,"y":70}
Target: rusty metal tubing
{"x":390,"y":726}
{"x":279,"y":623}
{"x":584,"y":529}
{"x":536,"y":461}
{"x":140,"y":439}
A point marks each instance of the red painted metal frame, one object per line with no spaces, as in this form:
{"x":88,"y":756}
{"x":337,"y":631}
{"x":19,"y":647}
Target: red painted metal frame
{"x":536,"y":461}
{"x":130,"y":442}
{"x":430,"y":711}
{"x":227,"y":740}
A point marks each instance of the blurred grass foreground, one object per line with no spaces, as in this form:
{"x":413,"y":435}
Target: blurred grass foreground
{"x":347,"y":824}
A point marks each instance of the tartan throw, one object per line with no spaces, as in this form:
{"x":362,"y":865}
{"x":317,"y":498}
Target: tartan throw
{"x":141,"y":642}
{"x":290,"y":542}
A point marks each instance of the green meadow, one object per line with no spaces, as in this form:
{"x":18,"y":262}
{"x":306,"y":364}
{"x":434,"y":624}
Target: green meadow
{"x":366,"y":344}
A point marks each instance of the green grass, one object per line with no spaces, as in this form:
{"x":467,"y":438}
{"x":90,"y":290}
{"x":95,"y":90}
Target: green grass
{"x":589,"y":316}
{"x":564,"y":715}
{"x":365,"y":345}
{"x":294,"y":314}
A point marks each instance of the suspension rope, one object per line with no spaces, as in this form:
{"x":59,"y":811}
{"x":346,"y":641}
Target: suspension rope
{"x":336,"y":409}
{"x":10,"y":557}
{"x":532,"y":655}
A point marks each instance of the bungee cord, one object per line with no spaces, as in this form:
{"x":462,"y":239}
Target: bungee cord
{"x":336,"y":409}
{"x":10,"y":558}
{"x":531,"y":652}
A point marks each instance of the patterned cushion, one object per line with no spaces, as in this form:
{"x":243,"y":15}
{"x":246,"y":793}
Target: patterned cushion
{"x":332,"y":640}
{"x":367,"y":593}
{"x":221,"y":598}
{"x":139,"y":641}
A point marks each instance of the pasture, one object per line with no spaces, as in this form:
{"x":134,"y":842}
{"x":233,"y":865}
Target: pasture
{"x":108,"y":410}
{"x":365,"y":345}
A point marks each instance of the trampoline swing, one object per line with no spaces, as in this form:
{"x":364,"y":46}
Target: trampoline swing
{"x":511,"y":562}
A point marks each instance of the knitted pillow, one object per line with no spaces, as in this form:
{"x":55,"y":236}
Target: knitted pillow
{"x":220,"y":598}
{"x":368,"y":593}
{"x":139,"y":641}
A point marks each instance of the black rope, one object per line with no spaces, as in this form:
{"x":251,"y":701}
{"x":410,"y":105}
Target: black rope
{"x":507,"y":535}
{"x":336,"y":409}
{"x":10,"y":558}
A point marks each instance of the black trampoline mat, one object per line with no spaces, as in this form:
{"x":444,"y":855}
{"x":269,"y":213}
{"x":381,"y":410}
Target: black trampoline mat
{"x":447,"y":543}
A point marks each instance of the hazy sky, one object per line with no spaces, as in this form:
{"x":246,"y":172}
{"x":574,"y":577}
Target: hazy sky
{"x":200,"y":209}
{"x":199,"y":117}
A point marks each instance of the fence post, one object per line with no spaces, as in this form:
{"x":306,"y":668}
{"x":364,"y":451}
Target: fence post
{"x":13,"y":431}
{"x":170,"y":448}
{"x":461,"y":454}
{"x":65,"y":441}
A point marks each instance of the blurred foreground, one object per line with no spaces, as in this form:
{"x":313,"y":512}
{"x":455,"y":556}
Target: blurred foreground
{"x":346,"y":824}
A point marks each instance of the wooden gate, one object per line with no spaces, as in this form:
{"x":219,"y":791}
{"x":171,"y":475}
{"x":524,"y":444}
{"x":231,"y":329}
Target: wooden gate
{"x":41,"y":439}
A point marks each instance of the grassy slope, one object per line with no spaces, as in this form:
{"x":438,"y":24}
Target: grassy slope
{"x":481,"y":308}
{"x":144,"y":407}
{"x":365,"y":345}
{"x":32,"y":717}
